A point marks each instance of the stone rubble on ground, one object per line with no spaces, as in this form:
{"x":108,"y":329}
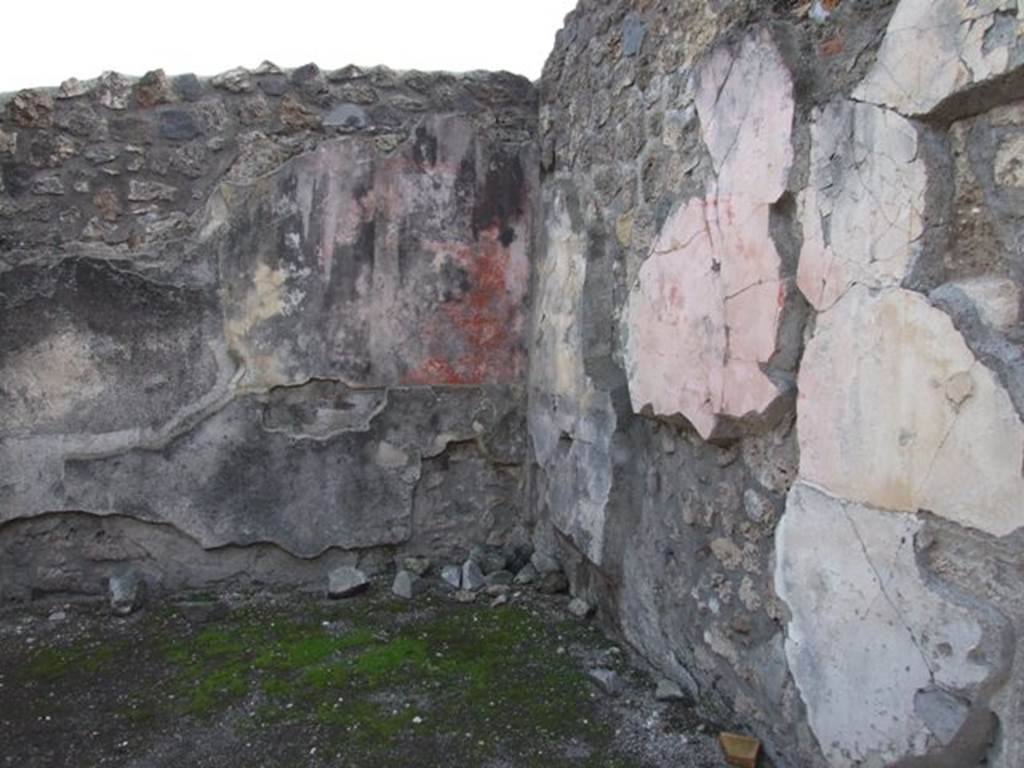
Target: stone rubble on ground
{"x":544,"y":563}
{"x":127,"y":592}
{"x":580,"y":608}
{"x":608,"y":680}
{"x":452,"y":576}
{"x":472,"y":576}
{"x":669,"y":690}
{"x":526,"y":575}
{"x":489,"y":560}
{"x":407,"y":585}
{"x":417,"y":565}
{"x":498,"y":577}
{"x":553,"y":583}
{"x":346,"y":581}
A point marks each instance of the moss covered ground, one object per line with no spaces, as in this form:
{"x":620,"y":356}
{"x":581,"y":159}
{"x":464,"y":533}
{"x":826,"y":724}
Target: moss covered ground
{"x":363,"y":682}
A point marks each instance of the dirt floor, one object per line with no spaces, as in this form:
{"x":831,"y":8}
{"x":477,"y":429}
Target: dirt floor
{"x":372,"y":680}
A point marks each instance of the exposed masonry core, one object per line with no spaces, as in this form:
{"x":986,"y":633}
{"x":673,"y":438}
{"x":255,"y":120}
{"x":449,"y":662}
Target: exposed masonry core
{"x":724,"y":312}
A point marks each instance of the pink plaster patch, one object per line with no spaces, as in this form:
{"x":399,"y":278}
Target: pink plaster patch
{"x":704,"y":316}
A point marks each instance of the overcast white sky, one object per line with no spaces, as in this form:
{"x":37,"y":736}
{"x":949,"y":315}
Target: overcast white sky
{"x":48,"y":41}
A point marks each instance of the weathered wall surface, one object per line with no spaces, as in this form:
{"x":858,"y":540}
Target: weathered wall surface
{"x":276,"y":317}
{"x":775,"y":387}
{"x":730,"y":320}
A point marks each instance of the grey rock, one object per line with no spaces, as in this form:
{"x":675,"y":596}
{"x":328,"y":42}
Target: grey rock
{"x":349,"y":117}
{"x":452,"y":575}
{"x":516,"y":557}
{"x":267,"y":67}
{"x":178,"y":125}
{"x":465,"y":596}
{"x":580,"y":608}
{"x":237,"y":80}
{"x":188,"y":87}
{"x":553,"y":583}
{"x":608,"y":680}
{"x":472,"y":577}
{"x":417,"y":565}
{"x":57,"y":616}
{"x":113,"y":90}
{"x":499,"y":601}
{"x":73,"y":88}
{"x":48,"y":185}
{"x":669,"y":690}
{"x":757,"y":507}
{"x":154,"y":88}
{"x":8,"y":142}
{"x":634,"y":30}
{"x":149,"y":191}
{"x":545,"y":563}
{"x":526,"y":575}
{"x":31,"y":109}
{"x":407,"y":585}
{"x":499,"y":578}
{"x":127,"y":591}
{"x":346,"y":581}
{"x":494,"y":562}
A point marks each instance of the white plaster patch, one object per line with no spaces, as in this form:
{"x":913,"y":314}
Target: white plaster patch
{"x":49,"y":380}
{"x":914,"y":421}
{"x":862,"y":212}
{"x":571,"y":422}
{"x":866,"y":633}
{"x":936,"y":48}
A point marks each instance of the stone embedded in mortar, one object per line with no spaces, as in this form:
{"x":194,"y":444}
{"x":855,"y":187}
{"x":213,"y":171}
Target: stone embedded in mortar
{"x":867,"y":632}
{"x":916,"y":423}
{"x":1009,"y":162}
{"x":995,"y":299}
{"x":862,"y":211}
{"x":934,"y":49}
{"x":703,"y":319}
{"x":31,"y":109}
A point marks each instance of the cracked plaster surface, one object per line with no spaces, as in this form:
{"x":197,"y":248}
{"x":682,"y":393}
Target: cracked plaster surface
{"x":934,"y":49}
{"x":862,"y":211}
{"x":917,"y":423}
{"x":862,"y":610}
{"x":704,"y":316}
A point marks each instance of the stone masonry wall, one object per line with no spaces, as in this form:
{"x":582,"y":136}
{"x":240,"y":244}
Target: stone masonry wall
{"x":255,"y":325}
{"x":775,"y":385}
{"x":726,"y":315}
